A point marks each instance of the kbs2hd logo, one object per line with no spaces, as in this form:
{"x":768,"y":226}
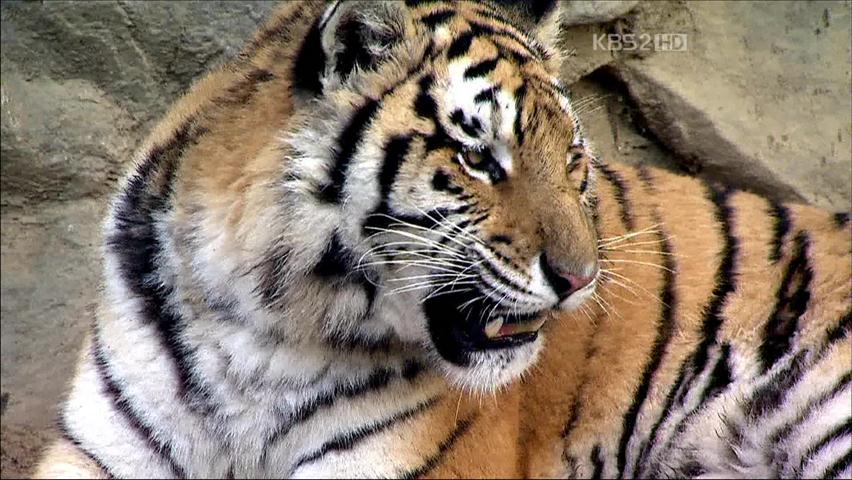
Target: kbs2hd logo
{"x":644,"y":42}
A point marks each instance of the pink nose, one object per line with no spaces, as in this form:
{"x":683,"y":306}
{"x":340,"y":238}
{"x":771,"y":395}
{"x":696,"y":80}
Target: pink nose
{"x":564,"y":284}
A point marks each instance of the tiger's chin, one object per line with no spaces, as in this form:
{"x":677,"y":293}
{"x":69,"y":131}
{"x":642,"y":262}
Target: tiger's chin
{"x":480,"y":350}
{"x":489,"y":370}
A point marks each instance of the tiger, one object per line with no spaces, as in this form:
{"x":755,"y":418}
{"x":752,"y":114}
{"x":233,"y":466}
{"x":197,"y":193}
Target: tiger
{"x":377,"y":243}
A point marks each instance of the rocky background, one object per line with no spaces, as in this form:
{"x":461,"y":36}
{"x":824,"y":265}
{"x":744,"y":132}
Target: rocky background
{"x":759,"y":98}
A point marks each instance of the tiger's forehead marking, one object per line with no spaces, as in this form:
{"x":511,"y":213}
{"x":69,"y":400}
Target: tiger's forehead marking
{"x":480,"y":112}
{"x":488,"y":63}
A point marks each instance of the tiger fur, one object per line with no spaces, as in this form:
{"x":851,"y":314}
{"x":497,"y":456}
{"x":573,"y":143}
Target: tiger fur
{"x":281,"y":264}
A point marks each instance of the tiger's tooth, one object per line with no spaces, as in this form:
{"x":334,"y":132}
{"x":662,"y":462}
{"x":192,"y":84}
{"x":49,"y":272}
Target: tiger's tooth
{"x":492,"y":328}
{"x":537,"y":324}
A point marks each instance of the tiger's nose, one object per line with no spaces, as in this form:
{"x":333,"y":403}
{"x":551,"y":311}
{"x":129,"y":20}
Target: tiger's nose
{"x":562,"y":282}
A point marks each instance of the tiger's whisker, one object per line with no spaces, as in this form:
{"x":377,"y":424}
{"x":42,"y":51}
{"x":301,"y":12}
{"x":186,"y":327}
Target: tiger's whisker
{"x":637,"y":262}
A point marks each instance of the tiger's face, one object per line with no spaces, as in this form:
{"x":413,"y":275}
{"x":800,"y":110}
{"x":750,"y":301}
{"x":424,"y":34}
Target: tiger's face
{"x":468,"y":188}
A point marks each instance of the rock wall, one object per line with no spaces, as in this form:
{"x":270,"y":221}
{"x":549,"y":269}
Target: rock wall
{"x":760,"y":99}
{"x":82,"y":82}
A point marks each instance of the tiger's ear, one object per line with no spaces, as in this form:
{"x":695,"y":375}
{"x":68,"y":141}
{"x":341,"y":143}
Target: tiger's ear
{"x":541,"y":17}
{"x":351,"y":36}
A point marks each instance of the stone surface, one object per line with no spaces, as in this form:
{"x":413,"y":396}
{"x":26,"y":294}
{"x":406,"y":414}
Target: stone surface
{"x":581,"y":13}
{"x":82,"y":82}
{"x":760,"y":98}
{"x":62,"y":140}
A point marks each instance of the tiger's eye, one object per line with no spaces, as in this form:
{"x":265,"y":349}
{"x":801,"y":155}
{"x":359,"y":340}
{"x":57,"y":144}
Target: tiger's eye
{"x":473,"y":158}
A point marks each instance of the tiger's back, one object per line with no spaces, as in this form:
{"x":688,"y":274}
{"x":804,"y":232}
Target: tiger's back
{"x":720,"y":347}
{"x":718,"y":342}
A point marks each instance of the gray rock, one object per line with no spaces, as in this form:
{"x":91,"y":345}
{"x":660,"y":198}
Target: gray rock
{"x":581,"y":55}
{"x":50,"y":260}
{"x":61,"y":140}
{"x":142,"y":54}
{"x":597,"y":11}
{"x":760,"y":99}
{"x":82,"y":84}
{"x":84,"y":81}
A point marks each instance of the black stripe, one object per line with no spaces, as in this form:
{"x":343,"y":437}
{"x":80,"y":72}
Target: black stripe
{"x":792,"y":302}
{"x":242,"y":91}
{"x":573,"y":416}
{"x":272,"y":277}
{"x":458,"y":118}
{"x":384,"y":219}
{"x":841,"y":219}
{"x":336,"y":260}
{"x":486,"y":96}
{"x":420,"y":3}
{"x":136,"y":245}
{"x":488,"y":11}
{"x":483,"y":29}
{"x":841,"y":330}
{"x":433,"y":461}
{"x":486,"y":264}
{"x":66,"y":434}
{"x":347,"y":144}
{"x":351,"y":439}
{"x":354,"y":341}
{"x":481,"y":69}
{"x":479,"y":219}
{"x":724,"y":278}
{"x":665,"y":329}
{"x":691,"y":369}
{"x":770,"y":396}
{"x":377,"y":380}
{"x":492,"y":167}
{"x":125,"y":408}
{"x":383,"y":215}
{"x":442,"y":182}
{"x":350,"y":137}
{"x":644,"y":174}
{"x":720,"y":377}
{"x":504,"y":239}
{"x":839,"y":466}
{"x":426,"y":107}
{"x":338,"y":263}
{"x":436,"y":18}
{"x":354,"y":52}
{"x":597,"y":460}
{"x":411,"y":369}
{"x":842,"y":430}
{"x":584,"y":183}
{"x":619,"y":192}
{"x":781,"y":217}
{"x":282,"y":31}
{"x":505,"y":51}
{"x":570,"y":464}
{"x":531,"y":11}
{"x":813,"y":405}
{"x":520,"y":95}
{"x":460,"y":45}
{"x":310,"y":61}
{"x":424,"y":104}
{"x":649,"y":443}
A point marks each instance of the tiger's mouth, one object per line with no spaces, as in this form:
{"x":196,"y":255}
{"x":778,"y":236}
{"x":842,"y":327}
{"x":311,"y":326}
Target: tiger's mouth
{"x":462,"y":323}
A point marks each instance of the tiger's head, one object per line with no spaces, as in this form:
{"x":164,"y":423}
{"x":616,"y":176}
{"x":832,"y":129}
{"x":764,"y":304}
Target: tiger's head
{"x":436,"y":139}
